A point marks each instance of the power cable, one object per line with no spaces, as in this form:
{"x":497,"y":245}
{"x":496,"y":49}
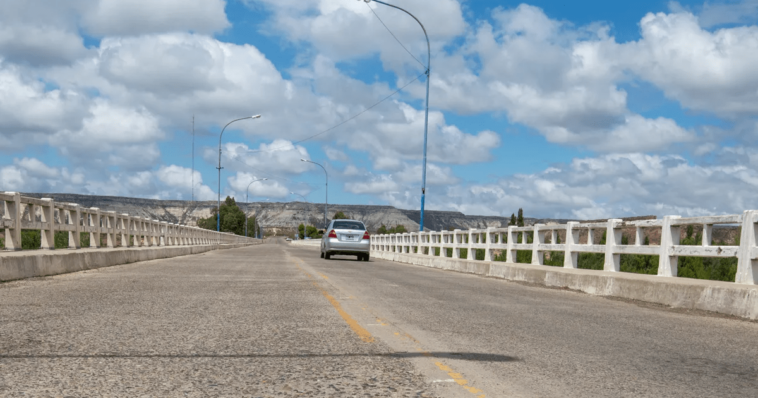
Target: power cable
{"x":396,"y":39}
{"x":344,"y":121}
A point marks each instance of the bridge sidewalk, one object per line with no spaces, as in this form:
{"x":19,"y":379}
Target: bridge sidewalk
{"x":715,"y":296}
{"x":36,"y":263}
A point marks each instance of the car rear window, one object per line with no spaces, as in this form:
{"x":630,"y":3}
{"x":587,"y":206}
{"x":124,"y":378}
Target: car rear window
{"x":349,"y":225}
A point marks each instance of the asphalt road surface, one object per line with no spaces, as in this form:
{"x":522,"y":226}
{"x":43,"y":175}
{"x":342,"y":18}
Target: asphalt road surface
{"x":277,"y":320}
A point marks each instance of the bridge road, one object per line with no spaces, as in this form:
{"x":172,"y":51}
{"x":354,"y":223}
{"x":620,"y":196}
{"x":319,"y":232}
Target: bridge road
{"x":276,"y":320}
{"x":510,"y":339}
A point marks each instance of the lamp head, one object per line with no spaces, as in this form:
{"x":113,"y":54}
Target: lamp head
{"x":303,"y":160}
{"x":256,"y":117}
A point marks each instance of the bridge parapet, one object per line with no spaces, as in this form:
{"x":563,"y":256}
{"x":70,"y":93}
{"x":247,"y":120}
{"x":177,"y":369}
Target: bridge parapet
{"x":507,"y":240}
{"x":46,"y":215}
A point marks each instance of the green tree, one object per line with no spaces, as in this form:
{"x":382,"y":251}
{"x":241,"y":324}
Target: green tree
{"x":520,"y":220}
{"x":251,"y":226}
{"x":232,"y":218}
{"x":312,"y":232}
{"x":400,"y":229}
{"x":513,"y":220}
{"x":340,"y":216}
{"x":301,"y":231}
{"x":382,"y":230}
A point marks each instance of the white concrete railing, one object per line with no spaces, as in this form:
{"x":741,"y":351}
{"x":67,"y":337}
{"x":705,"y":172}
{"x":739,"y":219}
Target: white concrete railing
{"x":669,"y":250}
{"x":21,"y":213}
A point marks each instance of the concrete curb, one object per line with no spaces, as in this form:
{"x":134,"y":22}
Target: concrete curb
{"x":21,"y":265}
{"x":722,"y":297}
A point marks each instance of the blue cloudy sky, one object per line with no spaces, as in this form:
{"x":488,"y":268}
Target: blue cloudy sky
{"x":582,"y":109}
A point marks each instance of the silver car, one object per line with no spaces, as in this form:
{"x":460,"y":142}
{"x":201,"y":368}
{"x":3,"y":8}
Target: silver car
{"x":348,"y":237}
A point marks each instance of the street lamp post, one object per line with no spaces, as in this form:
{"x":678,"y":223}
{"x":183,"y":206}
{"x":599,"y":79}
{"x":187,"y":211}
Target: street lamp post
{"x":426,"y":116}
{"x":247,"y":200}
{"x":218,"y":216}
{"x":326,"y":201}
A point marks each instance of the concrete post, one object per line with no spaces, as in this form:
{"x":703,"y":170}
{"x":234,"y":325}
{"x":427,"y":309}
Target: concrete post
{"x":471,"y":235}
{"x":110,"y":225}
{"x":67,"y":219}
{"x":75,"y":238}
{"x":12,"y":211}
{"x":457,"y":242}
{"x":137,"y":224}
{"x":48,"y":225}
{"x":488,"y":242}
{"x":147,"y":231}
{"x":590,"y":236}
{"x":94,"y":221}
{"x":708,"y":235}
{"x":612,"y":239}
{"x":156,"y":232}
{"x":125,"y":230}
{"x":164,"y":233}
{"x":571,"y":257}
{"x":136,"y":231}
{"x":429,"y":243}
{"x":639,"y":237}
{"x":510,"y":252}
{"x":747,"y":266}
{"x":667,"y":264}
{"x":538,"y":256}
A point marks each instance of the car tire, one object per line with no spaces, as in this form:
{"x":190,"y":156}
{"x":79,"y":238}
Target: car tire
{"x":366,"y":257}
{"x":360,"y":257}
{"x":322,"y":254}
{"x":327,"y":256}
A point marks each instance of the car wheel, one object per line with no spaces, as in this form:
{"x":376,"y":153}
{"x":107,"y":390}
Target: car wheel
{"x":327,"y":256}
{"x":360,"y":257}
{"x":322,"y":254}
{"x":366,"y":257}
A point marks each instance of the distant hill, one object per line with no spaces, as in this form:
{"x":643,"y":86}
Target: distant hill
{"x":287,"y":215}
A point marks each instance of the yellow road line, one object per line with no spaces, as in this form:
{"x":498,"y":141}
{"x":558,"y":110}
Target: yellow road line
{"x":368,"y":338}
{"x":458,"y":378}
{"x":361,"y":332}
{"x":357,"y":328}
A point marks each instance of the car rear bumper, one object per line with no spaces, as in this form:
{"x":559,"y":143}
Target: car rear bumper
{"x":335,"y":245}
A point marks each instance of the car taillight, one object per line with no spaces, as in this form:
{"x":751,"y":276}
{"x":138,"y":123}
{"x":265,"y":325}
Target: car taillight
{"x":332,"y":234}
{"x":365,"y":235}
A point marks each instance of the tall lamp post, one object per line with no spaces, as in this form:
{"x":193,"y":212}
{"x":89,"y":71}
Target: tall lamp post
{"x":326,"y":201}
{"x":426,"y":116}
{"x":247,"y":200}
{"x":218,"y":216}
